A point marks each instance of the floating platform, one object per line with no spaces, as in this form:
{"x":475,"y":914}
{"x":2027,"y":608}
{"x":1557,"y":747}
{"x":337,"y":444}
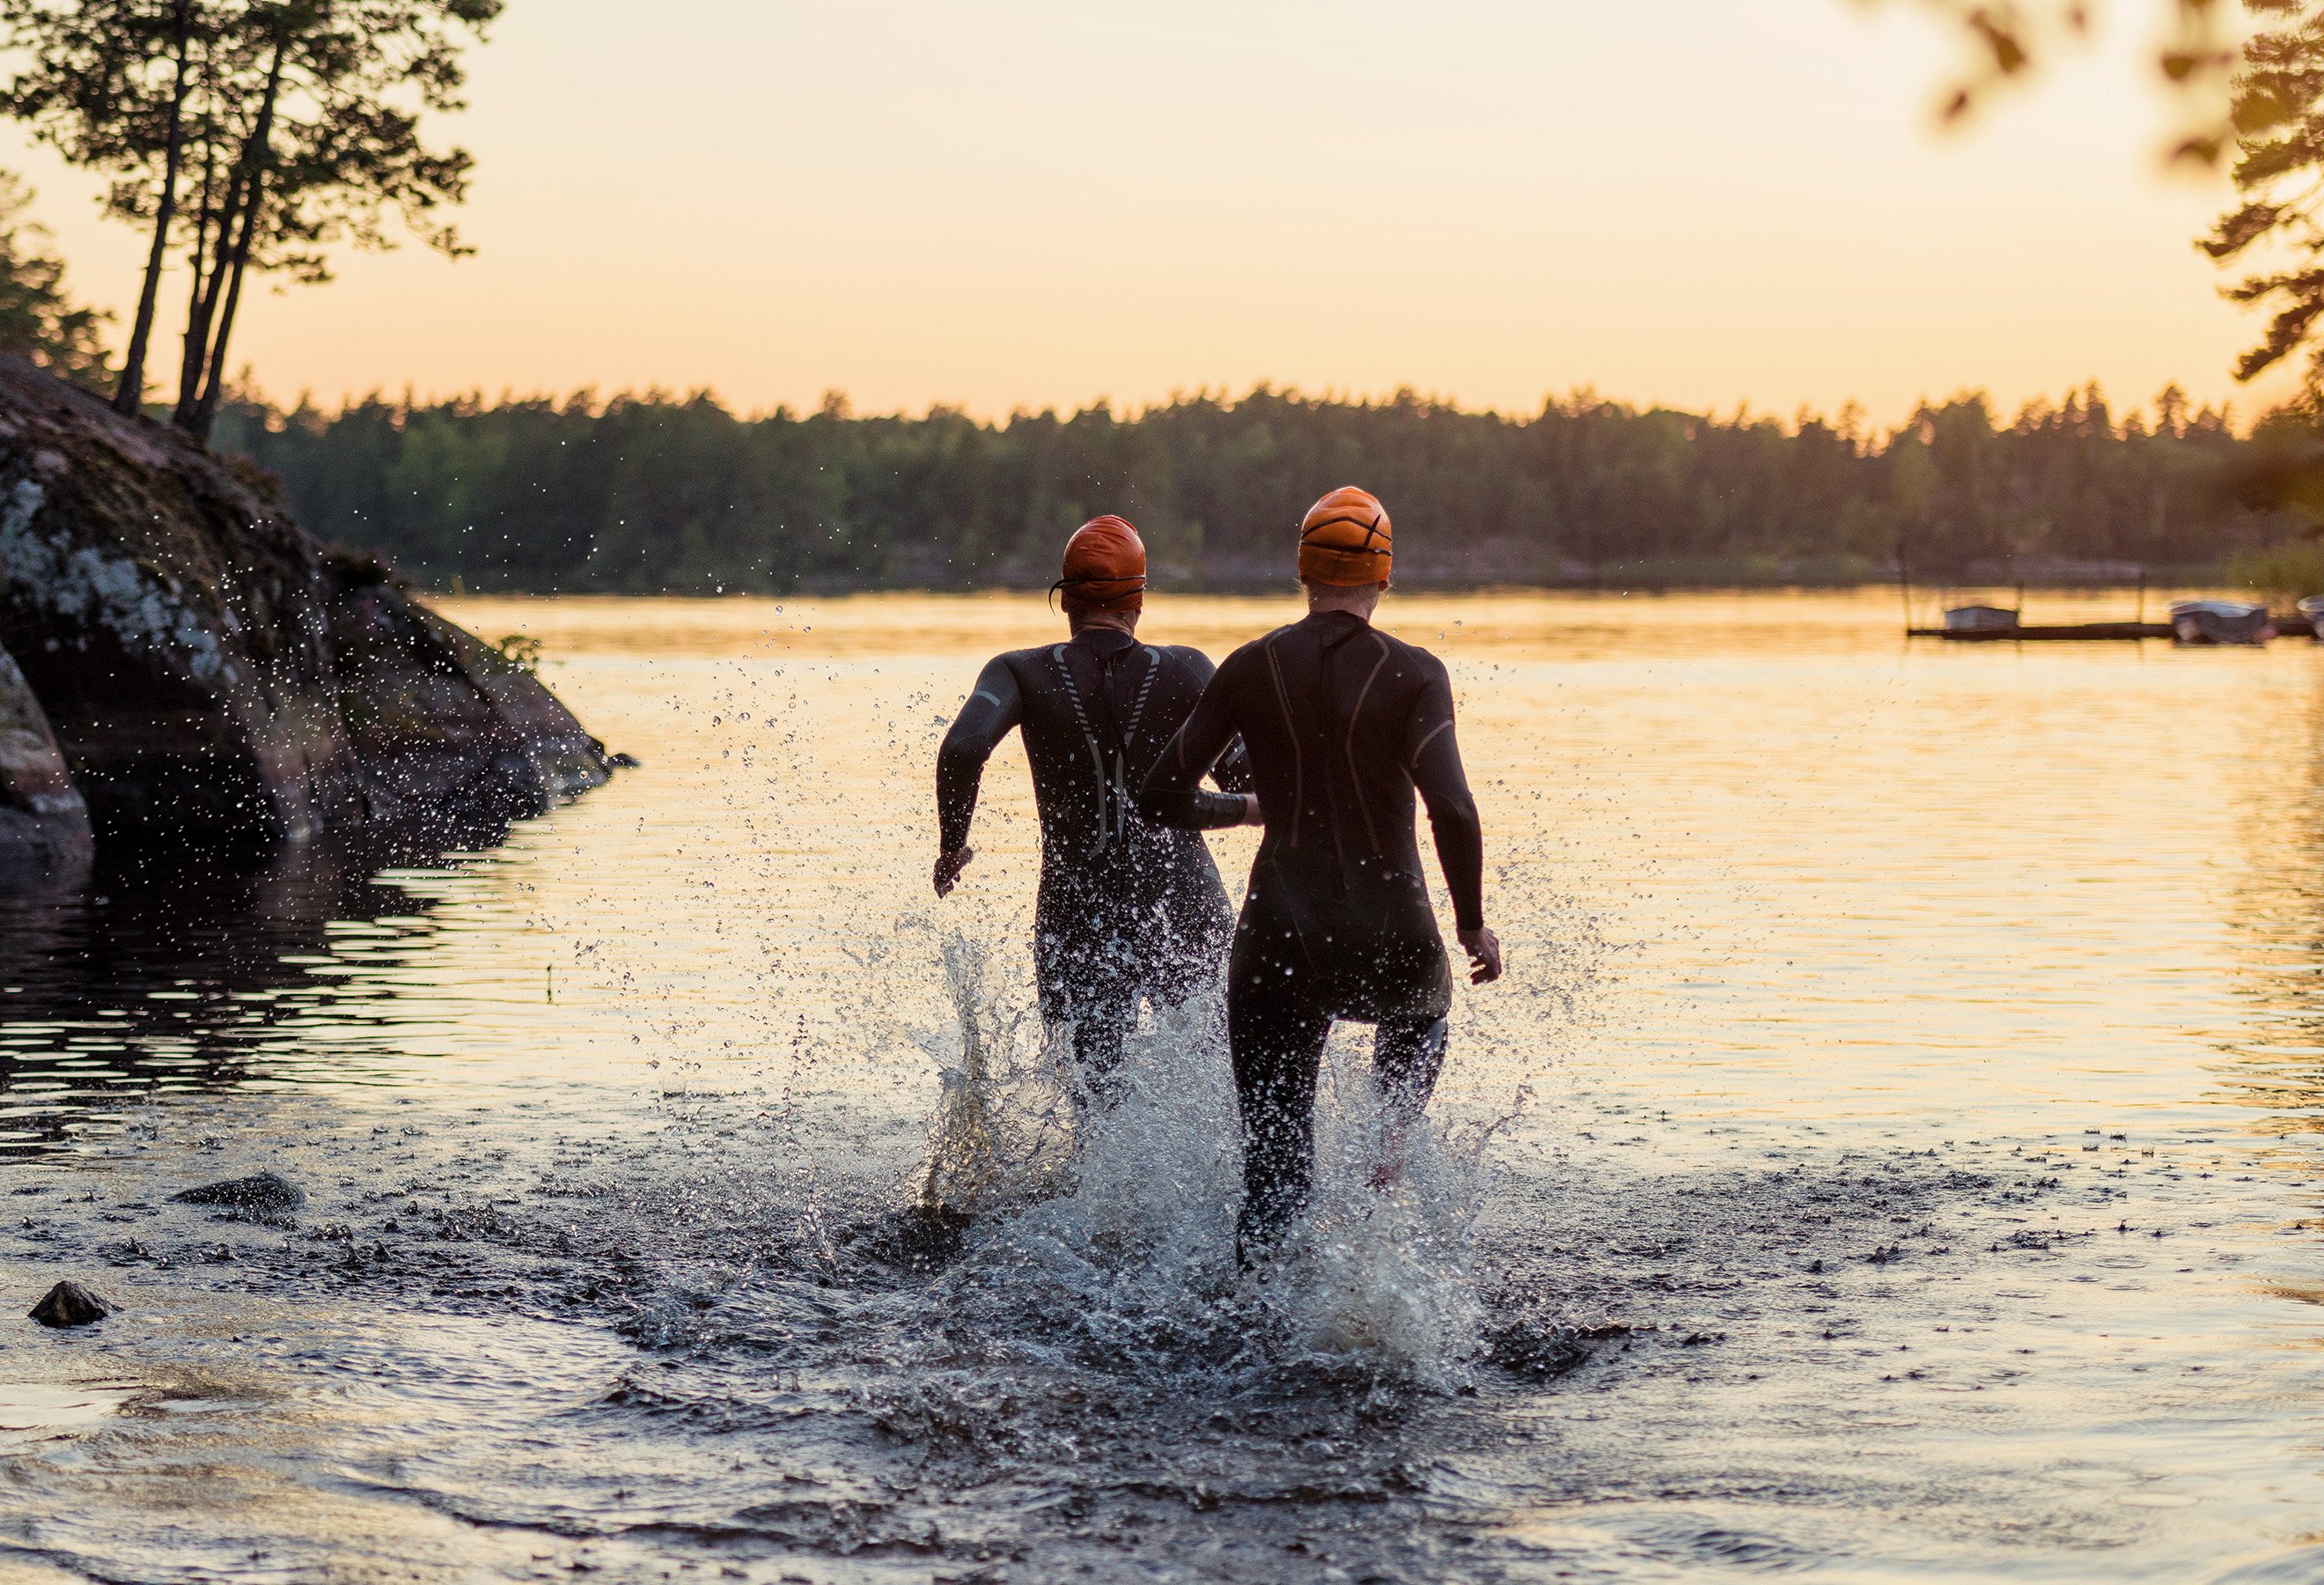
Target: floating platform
{"x":2289,"y":626}
{"x":2076,"y":631}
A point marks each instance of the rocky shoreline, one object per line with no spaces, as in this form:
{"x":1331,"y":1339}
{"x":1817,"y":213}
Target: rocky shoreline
{"x":179,"y":662}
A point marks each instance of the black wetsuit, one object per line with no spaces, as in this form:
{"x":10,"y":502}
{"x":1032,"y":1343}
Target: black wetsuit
{"x":1342,"y":724}
{"x":1128,"y":910}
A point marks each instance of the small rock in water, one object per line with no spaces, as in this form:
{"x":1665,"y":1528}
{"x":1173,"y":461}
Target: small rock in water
{"x":261,"y":1195}
{"x":1537,"y":1350}
{"x":69,"y":1304}
{"x":915,"y":1237}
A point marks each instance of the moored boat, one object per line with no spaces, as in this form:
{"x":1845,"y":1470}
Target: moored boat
{"x":2220,"y":622}
{"x":1980,"y":619}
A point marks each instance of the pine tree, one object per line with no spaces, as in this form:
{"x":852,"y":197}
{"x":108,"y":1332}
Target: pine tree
{"x":254,"y":133}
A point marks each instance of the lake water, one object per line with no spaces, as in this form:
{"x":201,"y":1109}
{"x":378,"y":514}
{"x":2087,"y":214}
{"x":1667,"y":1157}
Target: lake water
{"x":1893,"y":1153}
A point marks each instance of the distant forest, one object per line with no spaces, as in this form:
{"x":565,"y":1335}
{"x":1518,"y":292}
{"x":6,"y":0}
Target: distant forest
{"x":661,"y":494}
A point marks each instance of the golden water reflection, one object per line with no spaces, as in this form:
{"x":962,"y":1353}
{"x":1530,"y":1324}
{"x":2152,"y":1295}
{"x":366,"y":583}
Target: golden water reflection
{"x":1753,"y":855}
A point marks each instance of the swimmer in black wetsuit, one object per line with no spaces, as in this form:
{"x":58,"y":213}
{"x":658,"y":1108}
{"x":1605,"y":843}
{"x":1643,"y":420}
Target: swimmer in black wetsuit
{"x":1342,"y":723}
{"x":1128,"y":910}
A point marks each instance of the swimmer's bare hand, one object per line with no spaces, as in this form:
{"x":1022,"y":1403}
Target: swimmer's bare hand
{"x":1252,"y":814}
{"x":949,"y":868}
{"x":1484,"y":949}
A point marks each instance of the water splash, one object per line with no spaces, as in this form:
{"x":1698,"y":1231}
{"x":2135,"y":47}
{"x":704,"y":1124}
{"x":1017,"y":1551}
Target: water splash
{"x":1107,"y":1240}
{"x":1384,"y":1269}
{"x":1002,"y":1135}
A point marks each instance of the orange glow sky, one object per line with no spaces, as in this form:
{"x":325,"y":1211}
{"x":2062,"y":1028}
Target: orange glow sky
{"x":1005,"y":203}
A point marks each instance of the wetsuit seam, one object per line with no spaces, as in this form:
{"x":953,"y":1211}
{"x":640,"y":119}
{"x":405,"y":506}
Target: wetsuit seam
{"x":1438,"y":731}
{"x":1355,"y":778}
{"x":1145,"y":688}
{"x":1291,"y":730}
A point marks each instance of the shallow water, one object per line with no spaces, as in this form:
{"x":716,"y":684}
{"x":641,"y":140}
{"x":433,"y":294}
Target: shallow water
{"x":1893,"y":1153}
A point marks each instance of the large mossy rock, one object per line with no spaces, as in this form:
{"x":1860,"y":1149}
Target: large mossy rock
{"x":210,"y":671}
{"x":441,"y":721}
{"x":43,"y":824}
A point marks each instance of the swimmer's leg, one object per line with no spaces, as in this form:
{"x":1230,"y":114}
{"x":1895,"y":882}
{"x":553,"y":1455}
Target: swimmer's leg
{"x":1407,"y":1055}
{"x":1407,"y":1058}
{"x":1276,"y":1037}
{"x":1085,"y":990}
{"x":1101,"y":1028}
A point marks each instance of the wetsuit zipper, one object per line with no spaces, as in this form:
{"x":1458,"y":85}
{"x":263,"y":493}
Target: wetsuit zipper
{"x":1113,"y":798}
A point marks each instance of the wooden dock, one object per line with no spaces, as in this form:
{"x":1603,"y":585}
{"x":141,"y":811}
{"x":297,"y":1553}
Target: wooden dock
{"x":2075,"y":633}
{"x":2291,"y":626}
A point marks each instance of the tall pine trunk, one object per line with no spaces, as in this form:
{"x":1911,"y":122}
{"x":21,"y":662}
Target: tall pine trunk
{"x":233,"y":236}
{"x":205,"y":412}
{"x":129,"y":398}
{"x":262,"y":151}
{"x":210,"y":278}
{"x":197,"y":265}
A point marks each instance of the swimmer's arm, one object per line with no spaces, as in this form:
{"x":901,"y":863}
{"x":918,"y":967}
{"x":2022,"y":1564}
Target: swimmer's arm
{"x":1173,"y":794}
{"x":991,"y":713}
{"x":1233,"y":772}
{"x":1452,"y":808}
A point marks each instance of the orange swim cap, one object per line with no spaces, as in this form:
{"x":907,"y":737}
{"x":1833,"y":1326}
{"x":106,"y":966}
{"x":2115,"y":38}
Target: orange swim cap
{"x":1344,"y":539}
{"x":1105,"y":568}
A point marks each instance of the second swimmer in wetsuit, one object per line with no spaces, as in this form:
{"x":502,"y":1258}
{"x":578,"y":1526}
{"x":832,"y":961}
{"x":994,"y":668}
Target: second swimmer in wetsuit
{"x":1342,"y":725}
{"x":1128,"y":910}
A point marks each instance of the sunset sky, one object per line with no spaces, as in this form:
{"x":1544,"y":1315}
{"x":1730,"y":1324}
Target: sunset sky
{"x":1022,"y":203}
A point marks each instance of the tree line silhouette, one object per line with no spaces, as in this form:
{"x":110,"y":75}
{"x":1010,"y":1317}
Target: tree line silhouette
{"x":654,"y":493}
